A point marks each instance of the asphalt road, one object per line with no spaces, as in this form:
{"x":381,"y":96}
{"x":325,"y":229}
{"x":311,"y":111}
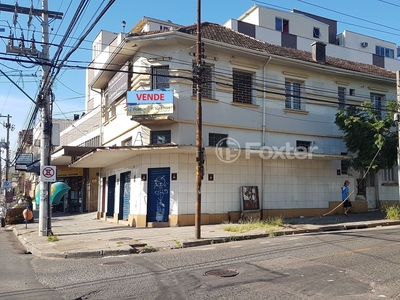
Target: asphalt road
{"x":17,"y":276}
{"x":357,"y":264}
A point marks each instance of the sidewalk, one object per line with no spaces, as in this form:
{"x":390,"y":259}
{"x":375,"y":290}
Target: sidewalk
{"x":82,"y":235}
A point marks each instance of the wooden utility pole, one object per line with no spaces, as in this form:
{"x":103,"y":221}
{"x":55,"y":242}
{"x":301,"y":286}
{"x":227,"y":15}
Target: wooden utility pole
{"x":199,"y":144}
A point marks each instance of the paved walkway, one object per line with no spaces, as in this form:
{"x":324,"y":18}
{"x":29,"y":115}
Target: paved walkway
{"x":82,"y":235}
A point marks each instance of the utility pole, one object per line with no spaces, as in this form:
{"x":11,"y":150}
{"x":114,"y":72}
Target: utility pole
{"x":45,"y":143}
{"x":43,"y":100}
{"x":199,"y":144}
{"x":6,"y":146}
{"x":8,"y":127}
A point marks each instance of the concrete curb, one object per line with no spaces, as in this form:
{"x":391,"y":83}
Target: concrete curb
{"x":325,"y":228}
{"x":144,"y":248}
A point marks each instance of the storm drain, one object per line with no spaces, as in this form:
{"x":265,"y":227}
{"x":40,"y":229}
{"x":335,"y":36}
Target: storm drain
{"x":120,"y":239}
{"x":221,"y":273}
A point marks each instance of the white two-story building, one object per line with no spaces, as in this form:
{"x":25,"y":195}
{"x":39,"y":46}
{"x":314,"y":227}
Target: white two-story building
{"x":270,"y":141}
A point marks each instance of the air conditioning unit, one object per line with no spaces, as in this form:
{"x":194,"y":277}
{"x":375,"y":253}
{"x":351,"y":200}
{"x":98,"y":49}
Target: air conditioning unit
{"x":364,"y":44}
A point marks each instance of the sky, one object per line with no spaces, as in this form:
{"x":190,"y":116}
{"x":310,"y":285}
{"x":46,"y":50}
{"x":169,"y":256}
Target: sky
{"x":376,"y":18}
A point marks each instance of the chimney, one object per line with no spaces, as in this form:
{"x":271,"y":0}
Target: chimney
{"x":318,"y":52}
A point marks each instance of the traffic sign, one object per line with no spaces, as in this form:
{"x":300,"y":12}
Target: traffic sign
{"x":48,"y":173}
{"x":6,"y":185}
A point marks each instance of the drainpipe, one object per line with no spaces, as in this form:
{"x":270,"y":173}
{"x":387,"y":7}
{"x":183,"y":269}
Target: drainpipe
{"x":263,"y":136}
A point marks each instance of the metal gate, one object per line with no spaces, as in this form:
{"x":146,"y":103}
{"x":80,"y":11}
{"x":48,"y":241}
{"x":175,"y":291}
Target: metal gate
{"x":111,"y":195}
{"x":158,"y":195}
{"x":124,"y":196}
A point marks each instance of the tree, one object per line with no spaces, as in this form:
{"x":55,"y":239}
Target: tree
{"x":365,"y":132}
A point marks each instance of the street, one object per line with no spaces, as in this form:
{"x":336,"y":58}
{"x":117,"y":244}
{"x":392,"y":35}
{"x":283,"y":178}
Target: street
{"x":17,"y":276}
{"x":356,"y":264}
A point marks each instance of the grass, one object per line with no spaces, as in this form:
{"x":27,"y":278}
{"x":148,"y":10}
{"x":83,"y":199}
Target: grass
{"x":392,"y":212}
{"x":267,"y":225}
{"x":178,"y":243}
{"x":52,"y":238}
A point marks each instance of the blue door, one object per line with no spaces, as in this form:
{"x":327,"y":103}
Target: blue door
{"x":111,"y":195}
{"x":124,"y":196}
{"x":158,"y":195}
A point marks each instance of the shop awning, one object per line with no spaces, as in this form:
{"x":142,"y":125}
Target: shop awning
{"x":107,"y":156}
{"x":64,"y":155}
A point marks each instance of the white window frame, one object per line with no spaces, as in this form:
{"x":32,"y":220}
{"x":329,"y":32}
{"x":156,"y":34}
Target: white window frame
{"x":294,"y":93}
{"x":378,"y":101}
{"x":388,"y":175}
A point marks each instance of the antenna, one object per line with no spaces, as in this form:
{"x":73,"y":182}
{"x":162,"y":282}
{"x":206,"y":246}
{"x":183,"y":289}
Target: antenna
{"x":123,"y":23}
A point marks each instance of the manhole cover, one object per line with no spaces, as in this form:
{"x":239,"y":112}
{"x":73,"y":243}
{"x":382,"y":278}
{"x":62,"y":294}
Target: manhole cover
{"x":222,"y":273}
{"x":117,"y":262}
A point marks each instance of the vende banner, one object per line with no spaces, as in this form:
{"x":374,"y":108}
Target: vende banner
{"x":152,"y":102}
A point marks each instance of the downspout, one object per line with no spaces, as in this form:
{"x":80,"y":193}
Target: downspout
{"x":263,"y":137}
{"x":99,"y":189}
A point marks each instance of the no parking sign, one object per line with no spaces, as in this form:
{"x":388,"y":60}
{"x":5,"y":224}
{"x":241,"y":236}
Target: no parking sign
{"x":48,"y":173}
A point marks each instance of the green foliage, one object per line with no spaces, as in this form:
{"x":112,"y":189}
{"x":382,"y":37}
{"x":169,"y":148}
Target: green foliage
{"x":365,"y":132}
{"x":248,"y":225}
{"x":392,"y":212}
{"x":52,"y":238}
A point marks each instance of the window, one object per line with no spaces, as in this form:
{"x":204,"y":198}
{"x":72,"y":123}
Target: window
{"x":377,"y":104}
{"x":217,"y":139}
{"x":93,"y":142}
{"x":341,"y":97}
{"x":161,"y":137}
{"x":293,"y":95}
{"x":303,"y":146}
{"x":207,"y":88}
{"x":352,"y":92}
{"x":160,"y":77}
{"x":242,"y":87}
{"x":316,"y":33}
{"x":388,"y":175}
{"x":344,"y":165}
{"x":382,"y":51}
{"x":281,"y":25}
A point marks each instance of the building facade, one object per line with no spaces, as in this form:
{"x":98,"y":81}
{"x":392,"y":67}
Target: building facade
{"x":271,"y":144}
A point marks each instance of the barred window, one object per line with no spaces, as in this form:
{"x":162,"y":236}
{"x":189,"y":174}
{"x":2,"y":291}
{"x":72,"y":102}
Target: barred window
{"x":160,"y":77}
{"x":303,"y":146}
{"x":207,"y":87}
{"x":242,"y":87}
{"x":160,"y":137}
{"x":217,"y":139}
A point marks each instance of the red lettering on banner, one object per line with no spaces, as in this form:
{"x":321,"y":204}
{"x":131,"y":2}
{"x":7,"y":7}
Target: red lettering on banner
{"x":147,"y":97}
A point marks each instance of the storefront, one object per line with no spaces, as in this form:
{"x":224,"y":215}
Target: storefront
{"x":72,"y":202}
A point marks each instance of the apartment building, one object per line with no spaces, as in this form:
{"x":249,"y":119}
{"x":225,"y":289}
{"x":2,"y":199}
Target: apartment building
{"x":270,"y":141}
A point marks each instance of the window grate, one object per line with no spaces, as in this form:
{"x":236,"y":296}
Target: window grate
{"x":242,"y":87}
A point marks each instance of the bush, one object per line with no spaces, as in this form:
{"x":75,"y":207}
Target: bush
{"x":392,"y":212}
{"x":267,"y":225}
